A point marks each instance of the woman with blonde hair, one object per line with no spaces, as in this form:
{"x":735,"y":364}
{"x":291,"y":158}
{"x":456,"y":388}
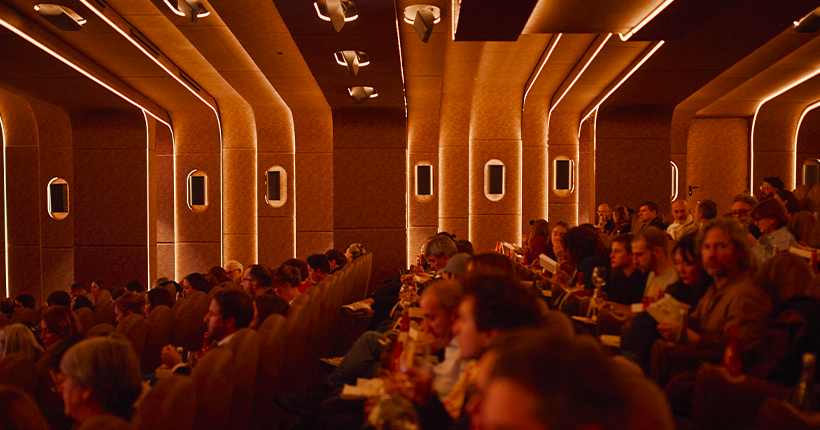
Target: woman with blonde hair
{"x":354,"y":251}
{"x":19,"y":338}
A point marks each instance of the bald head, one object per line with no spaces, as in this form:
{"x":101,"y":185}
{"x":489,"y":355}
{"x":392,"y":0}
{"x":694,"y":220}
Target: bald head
{"x":680,"y":211}
{"x":605,"y":212}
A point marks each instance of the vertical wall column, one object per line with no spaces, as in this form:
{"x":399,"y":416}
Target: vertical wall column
{"x":111,"y":195}
{"x":564,"y":143}
{"x":370,"y":184}
{"x":535,"y":167}
{"x":314,"y":185}
{"x":718,"y":178}
{"x":773,"y":139}
{"x":807,"y":138}
{"x":165,"y":202}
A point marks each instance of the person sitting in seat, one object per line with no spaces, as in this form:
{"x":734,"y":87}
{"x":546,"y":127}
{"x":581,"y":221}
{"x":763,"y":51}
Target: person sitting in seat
{"x":128,"y":304}
{"x":627,"y":283}
{"x":286,"y":280}
{"x":194,"y":282}
{"x":257,"y":280}
{"x":705,"y":210}
{"x":336,"y":259}
{"x":648,"y":216}
{"x":772,"y":219}
{"x":684,"y":222}
{"x":58,"y":322}
{"x":318,"y":268}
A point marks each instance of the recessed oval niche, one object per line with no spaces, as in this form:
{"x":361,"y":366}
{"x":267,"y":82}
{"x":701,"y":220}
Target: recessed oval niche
{"x":57,"y":191}
{"x":198,"y":191}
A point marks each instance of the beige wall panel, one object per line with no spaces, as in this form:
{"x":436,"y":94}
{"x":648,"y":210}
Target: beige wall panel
{"x":774,"y":134}
{"x":23,"y":192}
{"x":314,"y":130}
{"x":309,"y":243}
{"x":454,"y":187}
{"x":632,"y":125}
{"x":369,"y":188}
{"x":109,"y":197}
{"x":116,"y":265}
{"x":196,"y":257}
{"x":770,"y":163}
{"x":19,"y":123}
{"x":389,"y":248}
{"x":314,"y":187}
{"x":165,"y":198}
{"x":423,"y":113}
{"x":712,"y":142}
{"x":24,"y":271}
{"x":236,"y":248}
{"x":275,"y":240}
{"x":109,"y":129}
{"x":418,"y":238}
{"x":457,"y":226}
{"x":423,"y":213}
{"x":364,"y":127}
{"x":204,"y":226}
{"x":165,"y":260}
{"x":534,"y":185}
{"x":239,"y":171}
{"x":809,"y":135}
{"x":486,"y":230}
{"x":563,"y":141}
{"x":58,"y":271}
{"x":164,"y":140}
{"x":197,"y":132}
{"x":585,"y":178}
{"x":562,"y":212}
{"x":55,"y":162}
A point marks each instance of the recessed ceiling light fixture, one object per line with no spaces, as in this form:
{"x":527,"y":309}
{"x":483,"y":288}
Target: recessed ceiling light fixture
{"x":809,"y":23}
{"x":60,"y":16}
{"x":360,"y":93}
{"x":337,"y":12}
{"x":352,"y":60}
{"x":422,"y":17}
{"x":191,"y":9}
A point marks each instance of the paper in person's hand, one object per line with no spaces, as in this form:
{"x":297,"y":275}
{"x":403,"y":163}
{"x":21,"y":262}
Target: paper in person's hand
{"x":667,"y":310}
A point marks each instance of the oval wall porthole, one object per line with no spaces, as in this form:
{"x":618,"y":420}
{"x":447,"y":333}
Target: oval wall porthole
{"x":57,"y":191}
{"x":198,"y":191}
{"x":563,"y":176}
{"x":811,"y":172}
{"x":674,"y":193}
{"x":276,"y":186}
{"x":424,"y":182}
{"x":494,"y":181}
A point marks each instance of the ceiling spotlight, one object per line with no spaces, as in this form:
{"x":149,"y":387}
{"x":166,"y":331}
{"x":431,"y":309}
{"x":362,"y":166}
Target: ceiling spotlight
{"x":336,"y":11}
{"x":422,"y":17}
{"x":360,"y":94}
{"x":809,"y":23}
{"x":191,"y":9}
{"x":352,"y":60}
{"x":60,"y":16}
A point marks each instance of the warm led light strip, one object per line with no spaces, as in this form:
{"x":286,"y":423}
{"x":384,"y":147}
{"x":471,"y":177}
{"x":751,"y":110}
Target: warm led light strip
{"x":551,"y":47}
{"x":650,"y":17}
{"x":677,"y":179}
{"x":581,"y":72}
{"x":624,"y":76}
{"x":5,"y":205}
{"x":754,"y":122}
{"x":808,"y":109}
{"x":78,"y":69}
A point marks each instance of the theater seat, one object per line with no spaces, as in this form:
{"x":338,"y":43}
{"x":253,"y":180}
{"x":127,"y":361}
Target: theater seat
{"x":188,"y":326}
{"x":104,"y":313}
{"x":160,"y":321}
{"x":271,"y":350}
{"x":170,"y":405}
{"x":28,"y":315}
{"x":245,"y":348}
{"x":213,"y":380}
{"x":85,"y":319}
{"x":18,"y":370}
{"x":135,"y":329}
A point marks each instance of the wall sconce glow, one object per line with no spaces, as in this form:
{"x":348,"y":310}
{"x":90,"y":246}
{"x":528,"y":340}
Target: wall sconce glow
{"x":192,"y":9}
{"x":60,"y":16}
{"x":650,"y":17}
{"x":563,"y":176}
{"x":337,"y":12}
{"x":360,"y":93}
{"x":276,"y":186}
{"x":57,"y":192}
{"x":197,"y":191}
{"x":424,"y":182}
{"x":352,"y":60}
{"x":618,"y":82}
{"x":674,"y":193}
{"x":422,"y":17}
{"x":494,"y":180}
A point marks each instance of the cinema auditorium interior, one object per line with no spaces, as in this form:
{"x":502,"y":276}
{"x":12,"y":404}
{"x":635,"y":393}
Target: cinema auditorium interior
{"x":345,"y":214}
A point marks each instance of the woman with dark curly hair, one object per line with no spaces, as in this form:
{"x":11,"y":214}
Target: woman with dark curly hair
{"x":585,"y":252}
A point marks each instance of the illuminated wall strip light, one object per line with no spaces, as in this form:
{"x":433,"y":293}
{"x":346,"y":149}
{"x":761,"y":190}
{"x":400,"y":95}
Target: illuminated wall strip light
{"x":677,"y":178}
{"x":148,"y":197}
{"x":88,"y":75}
{"x":5,"y":205}
{"x":754,"y":122}
{"x":650,"y":17}
{"x":581,"y":72}
{"x":186,"y":86}
{"x":808,"y":109}
{"x":552,"y":44}
{"x":601,"y":99}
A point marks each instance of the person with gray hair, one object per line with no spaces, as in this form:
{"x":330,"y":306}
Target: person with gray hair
{"x":742,"y":205}
{"x":102,"y":376}
{"x":438,"y":250}
{"x":456,"y":266}
{"x":234,"y":269}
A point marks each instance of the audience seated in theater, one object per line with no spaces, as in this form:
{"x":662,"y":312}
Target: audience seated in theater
{"x":555,"y":247}
{"x":302,"y":267}
{"x":437,"y":251}
{"x":96,"y":286}
{"x":354,"y":251}
{"x":492,"y":262}
{"x":318,"y":269}
{"x":704,"y":211}
{"x":742,"y":205}
{"x":537,"y":240}
{"x":801,"y":225}
{"x":266,"y":305}
{"x":100,"y":376}
{"x":59,"y":298}
{"x":789,"y":201}
{"x":7,"y":307}
{"x":78,"y":289}
{"x":689,"y":289}
{"x":18,"y":410}
{"x":606,"y":221}
{"x":117,"y":293}
{"x":58,"y":322}
{"x":155,"y":298}
{"x":257,"y":280}
{"x":772,"y":219}
{"x":229,"y":311}
{"x":194,"y":282}
{"x":24,"y":301}
{"x":456,"y":266}
{"x":623,"y":224}
{"x":548,"y":383}
{"x":48,"y":382}
{"x":649,"y":249}
{"x":128,"y":304}
{"x":648,"y":217}
{"x":20,"y":339}
{"x":684,"y":222}
{"x":464,"y":246}
{"x":584,"y":252}
{"x":626,"y":283}
{"x":769,"y":186}
{"x":135,"y":287}
{"x":286,"y":282}
{"x":336,"y":259}
{"x":219,"y":275}
{"x":234,"y":270}
{"x":82,"y":302}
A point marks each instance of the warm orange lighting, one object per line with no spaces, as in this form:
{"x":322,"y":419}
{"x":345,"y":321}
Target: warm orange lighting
{"x":808,"y":109}
{"x":650,"y":17}
{"x":612,"y":88}
{"x":327,"y":18}
{"x":410,"y":13}
{"x":180,"y":13}
{"x":543,"y":62}
{"x":581,"y":72}
{"x":5,"y":205}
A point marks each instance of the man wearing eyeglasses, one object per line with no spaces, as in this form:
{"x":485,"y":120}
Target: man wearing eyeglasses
{"x":741,"y":209}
